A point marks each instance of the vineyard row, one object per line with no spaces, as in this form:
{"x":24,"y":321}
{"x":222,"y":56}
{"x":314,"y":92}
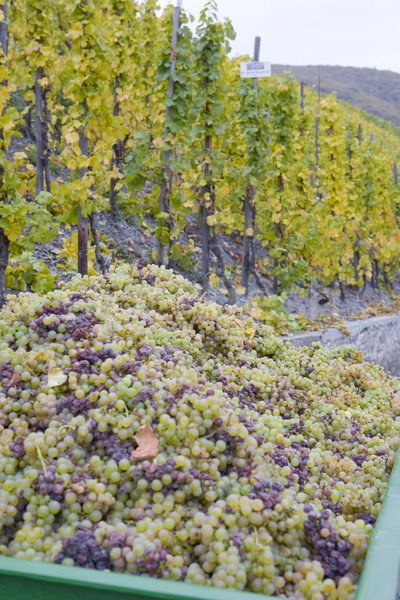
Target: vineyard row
{"x":108,"y":96}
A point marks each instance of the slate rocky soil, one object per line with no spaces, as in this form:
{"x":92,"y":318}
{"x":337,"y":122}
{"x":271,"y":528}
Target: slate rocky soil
{"x":130,"y":241}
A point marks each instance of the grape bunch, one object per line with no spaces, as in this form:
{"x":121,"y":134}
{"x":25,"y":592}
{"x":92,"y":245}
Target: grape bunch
{"x":146,"y":431}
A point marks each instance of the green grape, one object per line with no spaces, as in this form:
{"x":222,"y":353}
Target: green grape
{"x":271,"y":461}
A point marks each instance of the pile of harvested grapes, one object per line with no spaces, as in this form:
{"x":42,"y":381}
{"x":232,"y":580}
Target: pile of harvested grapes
{"x":145,"y":431}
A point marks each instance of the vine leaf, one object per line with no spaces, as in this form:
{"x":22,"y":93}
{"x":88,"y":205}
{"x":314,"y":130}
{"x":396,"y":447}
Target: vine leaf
{"x":147,"y":443}
{"x":250,"y":332}
{"x":15,"y":378}
{"x":56,"y":377}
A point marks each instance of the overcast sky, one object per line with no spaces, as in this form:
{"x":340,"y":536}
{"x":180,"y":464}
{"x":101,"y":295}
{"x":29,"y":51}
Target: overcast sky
{"x":357,"y":33}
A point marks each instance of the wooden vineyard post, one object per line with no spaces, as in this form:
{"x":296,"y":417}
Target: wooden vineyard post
{"x":317,"y":179}
{"x":257,"y":46}
{"x":39,"y":131}
{"x":4,"y":33}
{"x":82,"y":221}
{"x":248,"y":203}
{"x":350,"y":154}
{"x":204,"y":226}
{"x":116,"y":160}
{"x":4,"y":241}
{"x":396,"y":184}
{"x":166,"y":155}
{"x":302,"y":96}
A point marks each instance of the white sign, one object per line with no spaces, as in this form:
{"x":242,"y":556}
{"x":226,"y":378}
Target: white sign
{"x":255,"y":69}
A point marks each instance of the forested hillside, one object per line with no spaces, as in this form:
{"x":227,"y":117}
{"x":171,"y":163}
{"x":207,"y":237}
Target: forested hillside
{"x":374,"y":91}
{"x":99,"y":113}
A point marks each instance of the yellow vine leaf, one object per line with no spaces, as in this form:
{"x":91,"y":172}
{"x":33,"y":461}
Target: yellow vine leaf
{"x":257,"y":313}
{"x":72,"y":137}
{"x":20,"y":156}
{"x":56,"y":376}
{"x":250,"y":332}
{"x":15,"y":378}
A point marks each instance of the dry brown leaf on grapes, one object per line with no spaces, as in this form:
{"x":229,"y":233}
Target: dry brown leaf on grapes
{"x":153,"y":466}
{"x":147,"y":443}
{"x":15,"y":378}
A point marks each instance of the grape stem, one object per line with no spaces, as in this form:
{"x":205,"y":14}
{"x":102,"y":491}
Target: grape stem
{"x":40,"y":455}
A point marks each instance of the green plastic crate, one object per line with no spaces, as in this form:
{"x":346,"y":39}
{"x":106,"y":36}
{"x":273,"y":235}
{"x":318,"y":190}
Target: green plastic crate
{"x":380,"y":576}
{"x":28,"y":580}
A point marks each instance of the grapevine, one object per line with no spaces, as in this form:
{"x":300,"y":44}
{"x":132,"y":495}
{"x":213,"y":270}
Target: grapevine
{"x":88,"y":83}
